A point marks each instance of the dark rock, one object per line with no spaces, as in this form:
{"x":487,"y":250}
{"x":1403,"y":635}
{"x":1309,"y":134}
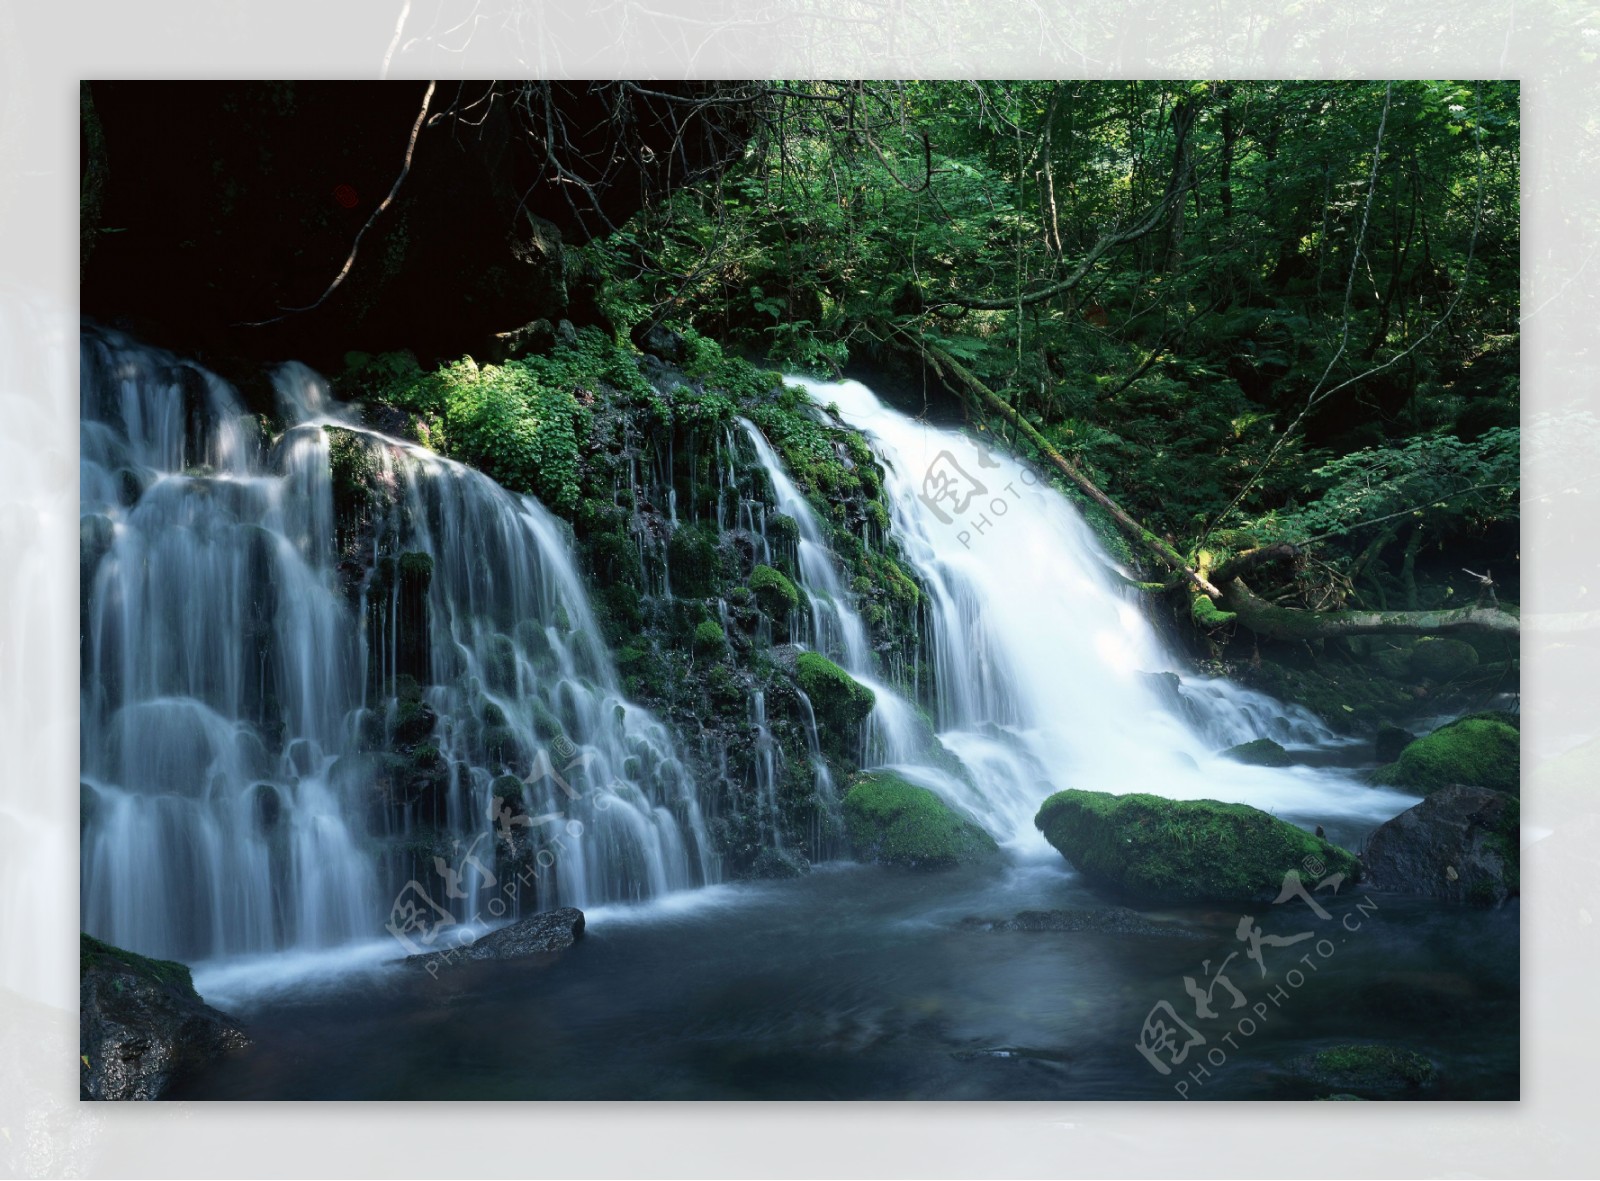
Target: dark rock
{"x":1112,"y":920}
{"x":1459,"y":844}
{"x":532,"y":339}
{"x":779,"y":863}
{"x":1391,"y":740}
{"x":660,"y":341}
{"x":141,"y":1025}
{"x":550,"y":930}
{"x":1179,"y":851}
{"x":1262,"y":752}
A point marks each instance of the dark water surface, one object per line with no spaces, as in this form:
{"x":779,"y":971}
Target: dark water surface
{"x":864,"y":983}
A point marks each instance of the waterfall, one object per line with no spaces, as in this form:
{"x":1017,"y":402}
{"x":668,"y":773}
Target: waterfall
{"x":1042,"y":660}
{"x":312,"y":665}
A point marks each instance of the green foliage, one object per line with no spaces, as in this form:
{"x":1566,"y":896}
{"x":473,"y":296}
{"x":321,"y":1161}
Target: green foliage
{"x":1180,"y":851}
{"x":1437,"y":480}
{"x":1480,"y":751}
{"x":893,"y":822}
{"x":504,"y":420}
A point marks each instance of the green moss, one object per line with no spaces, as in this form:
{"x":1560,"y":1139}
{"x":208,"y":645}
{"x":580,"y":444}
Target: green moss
{"x":782,"y":530}
{"x":94,"y":953}
{"x":1262,"y":752}
{"x":692,"y":557}
{"x":354,"y":476}
{"x":1177,"y":851}
{"x":506,"y":787}
{"x":1483,"y":752}
{"x":836,"y":697}
{"x":774,"y":593}
{"x":709,"y":639}
{"x":1372,"y":1068}
{"x":892,"y":822}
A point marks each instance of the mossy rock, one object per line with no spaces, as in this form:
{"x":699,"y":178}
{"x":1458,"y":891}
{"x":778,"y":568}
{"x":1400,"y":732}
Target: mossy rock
{"x":775,"y":594}
{"x":709,"y":639}
{"x":94,"y":953}
{"x":838,"y":700}
{"x":1261,"y":752}
{"x":1477,"y":751}
{"x":892,"y":822}
{"x":1439,"y":658}
{"x":1372,"y":1069}
{"x":692,"y":554}
{"x":1176,"y":851}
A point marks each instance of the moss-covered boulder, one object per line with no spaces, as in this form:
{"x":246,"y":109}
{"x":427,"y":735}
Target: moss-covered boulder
{"x":709,"y":639}
{"x":774,"y":593}
{"x":837,"y":698}
{"x":1364,"y":1070}
{"x":1261,"y":752}
{"x":1175,"y":851}
{"x":1480,"y":751}
{"x":1439,"y":658}
{"x":893,"y":822}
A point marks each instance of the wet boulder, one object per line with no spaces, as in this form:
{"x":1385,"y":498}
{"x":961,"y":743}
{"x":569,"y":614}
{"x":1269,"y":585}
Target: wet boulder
{"x":893,"y":822}
{"x":1459,"y":844}
{"x":1177,"y":851}
{"x":141,"y":1024}
{"x":547,"y":931}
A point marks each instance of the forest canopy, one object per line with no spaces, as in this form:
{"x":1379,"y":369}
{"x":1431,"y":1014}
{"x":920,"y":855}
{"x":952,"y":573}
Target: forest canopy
{"x":1270,"y":317}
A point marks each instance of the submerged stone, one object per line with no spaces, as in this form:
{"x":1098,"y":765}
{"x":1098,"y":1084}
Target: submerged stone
{"x":893,"y":822}
{"x":1176,"y":851}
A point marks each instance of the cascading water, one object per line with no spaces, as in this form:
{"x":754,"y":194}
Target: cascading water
{"x":308,"y":664}
{"x":1041,"y":659}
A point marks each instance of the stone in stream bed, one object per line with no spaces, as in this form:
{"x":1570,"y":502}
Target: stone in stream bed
{"x":141,"y":1024}
{"x":1179,"y":851}
{"x":549,"y":930}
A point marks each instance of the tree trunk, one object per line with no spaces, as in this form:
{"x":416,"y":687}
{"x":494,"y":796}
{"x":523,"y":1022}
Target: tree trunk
{"x":1286,"y":623}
